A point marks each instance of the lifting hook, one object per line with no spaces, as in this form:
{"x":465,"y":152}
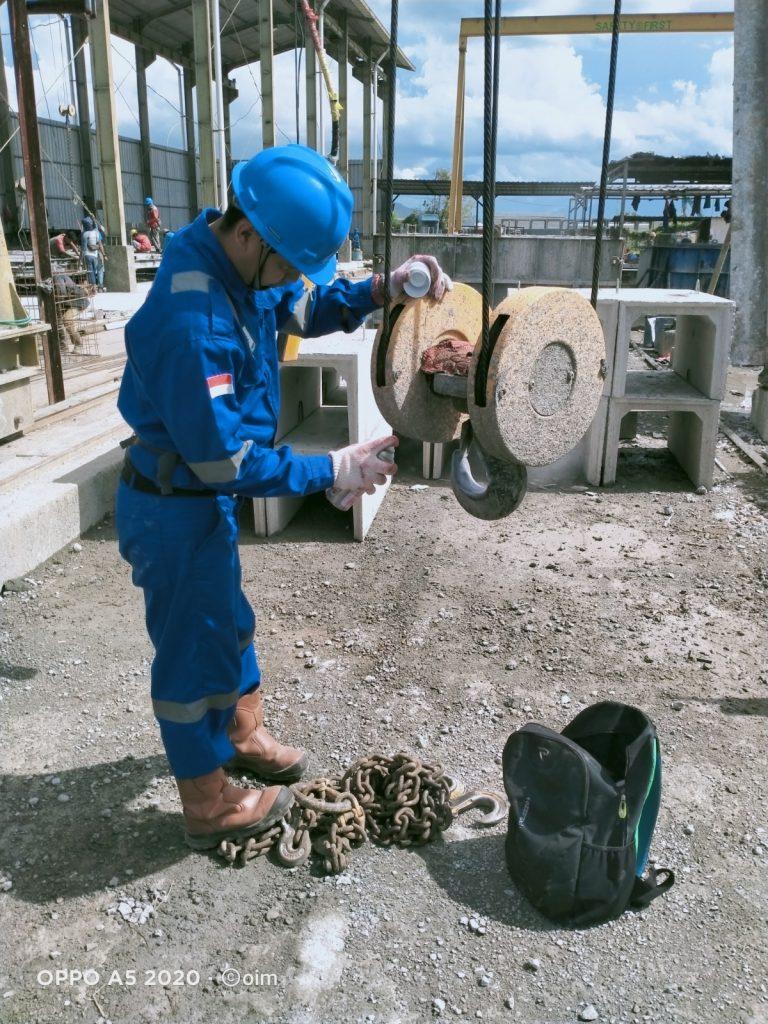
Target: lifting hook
{"x":484,"y":486}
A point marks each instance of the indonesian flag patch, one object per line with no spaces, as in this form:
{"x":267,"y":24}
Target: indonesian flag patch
{"x":220,"y":384}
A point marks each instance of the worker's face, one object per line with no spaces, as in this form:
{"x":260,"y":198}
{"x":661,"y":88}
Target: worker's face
{"x":275,"y":271}
{"x":278,"y":271}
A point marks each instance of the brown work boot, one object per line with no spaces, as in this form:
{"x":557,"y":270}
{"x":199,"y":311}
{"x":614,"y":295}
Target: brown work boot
{"x":258,"y":751}
{"x":214,"y":809}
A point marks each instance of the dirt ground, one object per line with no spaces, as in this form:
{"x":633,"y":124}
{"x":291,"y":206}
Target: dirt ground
{"x":646,"y":593}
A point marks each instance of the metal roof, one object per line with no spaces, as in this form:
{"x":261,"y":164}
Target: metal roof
{"x":164,"y":27}
{"x":441,"y":187}
{"x":649,"y":169}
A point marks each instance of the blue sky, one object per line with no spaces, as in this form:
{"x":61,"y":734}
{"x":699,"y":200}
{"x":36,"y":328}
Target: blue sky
{"x":674,"y":92}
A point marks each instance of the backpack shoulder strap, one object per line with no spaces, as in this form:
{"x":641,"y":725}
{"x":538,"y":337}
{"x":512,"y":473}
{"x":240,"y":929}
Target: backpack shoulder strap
{"x":650,"y":812}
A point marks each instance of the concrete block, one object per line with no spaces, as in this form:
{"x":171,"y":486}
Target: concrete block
{"x":702,"y":338}
{"x":16,"y":410}
{"x":436,"y":459}
{"x":693,"y":422}
{"x":314,"y":428}
{"x":628,"y":430}
{"x":120,"y":269}
{"x":760,"y":412}
{"x":692,"y":439}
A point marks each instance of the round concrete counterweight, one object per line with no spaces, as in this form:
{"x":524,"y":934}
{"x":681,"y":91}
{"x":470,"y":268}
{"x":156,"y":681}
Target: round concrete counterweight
{"x":404,"y":396}
{"x":544,"y":376}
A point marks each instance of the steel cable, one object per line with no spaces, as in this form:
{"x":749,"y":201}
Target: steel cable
{"x":389,"y":164}
{"x":492,"y":41}
{"x":606,"y":151}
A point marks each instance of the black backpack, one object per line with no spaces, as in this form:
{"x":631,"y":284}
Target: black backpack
{"x":583,"y":806}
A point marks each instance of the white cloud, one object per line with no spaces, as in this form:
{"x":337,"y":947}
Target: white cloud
{"x":697,"y":119}
{"x":551,"y":113}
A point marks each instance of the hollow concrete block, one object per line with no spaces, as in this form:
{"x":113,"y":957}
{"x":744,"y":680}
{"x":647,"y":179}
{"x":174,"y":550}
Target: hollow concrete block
{"x":692,"y":429}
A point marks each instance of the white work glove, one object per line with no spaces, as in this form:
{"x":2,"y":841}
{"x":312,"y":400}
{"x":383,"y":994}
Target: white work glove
{"x":358,"y":468}
{"x":441,"y":283}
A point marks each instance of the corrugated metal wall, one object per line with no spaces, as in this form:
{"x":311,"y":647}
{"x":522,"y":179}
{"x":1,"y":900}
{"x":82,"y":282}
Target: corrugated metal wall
{"x":355,"y":182}
{"x":62,"y":174}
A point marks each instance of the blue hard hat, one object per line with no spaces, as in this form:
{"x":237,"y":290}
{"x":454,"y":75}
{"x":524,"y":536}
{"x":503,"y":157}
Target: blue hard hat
{"x":148,"y":201}
{"x":299,"y":204}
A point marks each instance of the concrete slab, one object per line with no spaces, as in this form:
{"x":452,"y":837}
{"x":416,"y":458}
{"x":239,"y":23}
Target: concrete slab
{"x":760,"y":412}
{"x":122,"y":302}
{"x":56,"y":482}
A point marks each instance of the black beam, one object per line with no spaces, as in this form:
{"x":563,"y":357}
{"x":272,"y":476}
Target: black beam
{"x":10,"y":210}
{"x":143,"y":60}
{"x":86,"y":8}
{"x":79,"y":37}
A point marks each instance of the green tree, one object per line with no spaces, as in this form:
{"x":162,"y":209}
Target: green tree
{"x":439,"y":204}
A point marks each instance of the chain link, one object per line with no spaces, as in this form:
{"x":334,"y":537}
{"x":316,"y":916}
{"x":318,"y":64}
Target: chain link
{"x":396,"y":800}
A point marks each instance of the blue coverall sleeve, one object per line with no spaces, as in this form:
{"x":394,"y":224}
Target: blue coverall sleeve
{"x":342,"y":305}
{"x":192,"y":388}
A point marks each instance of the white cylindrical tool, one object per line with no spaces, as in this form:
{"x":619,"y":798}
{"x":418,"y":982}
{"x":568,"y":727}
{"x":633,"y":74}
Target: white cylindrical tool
{"x":419,"y":280}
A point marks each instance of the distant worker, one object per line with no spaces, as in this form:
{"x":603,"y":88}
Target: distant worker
{"x":64,"y":245}
{"x":70,"y":298}
{"x":152,"y":217}
{"x":93,"y":252}
{"x":140,"y":241}
{"x":357,"y":252}
{"x":201,"y":390}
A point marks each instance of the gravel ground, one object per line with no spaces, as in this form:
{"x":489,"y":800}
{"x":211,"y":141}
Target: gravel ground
{"x":440,"y":635}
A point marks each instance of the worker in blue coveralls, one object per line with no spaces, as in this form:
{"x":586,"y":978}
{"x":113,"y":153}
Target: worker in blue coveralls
{"x":201,"y":392}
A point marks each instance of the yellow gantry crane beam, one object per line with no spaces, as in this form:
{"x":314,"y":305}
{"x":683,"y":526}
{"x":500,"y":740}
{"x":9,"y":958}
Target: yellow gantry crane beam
{"x":560,"y":24}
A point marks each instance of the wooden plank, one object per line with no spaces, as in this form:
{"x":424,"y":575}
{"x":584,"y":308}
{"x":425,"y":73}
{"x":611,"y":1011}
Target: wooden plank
{"x":639,"y":350}
{"x":746,"y":449}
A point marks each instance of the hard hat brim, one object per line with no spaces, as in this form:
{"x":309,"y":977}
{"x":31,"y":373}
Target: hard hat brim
{"x":325,"y":274}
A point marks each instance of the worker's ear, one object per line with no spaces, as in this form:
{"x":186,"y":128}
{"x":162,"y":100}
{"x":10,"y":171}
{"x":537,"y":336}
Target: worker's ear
{"x":245,"y":233}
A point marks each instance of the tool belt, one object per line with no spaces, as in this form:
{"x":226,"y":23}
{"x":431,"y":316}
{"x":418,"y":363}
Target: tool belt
{"x":138,"y":482}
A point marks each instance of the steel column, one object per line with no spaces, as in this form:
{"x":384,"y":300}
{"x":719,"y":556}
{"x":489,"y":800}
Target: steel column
{"x":266,"y":60}
{"x":201,"y":27}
